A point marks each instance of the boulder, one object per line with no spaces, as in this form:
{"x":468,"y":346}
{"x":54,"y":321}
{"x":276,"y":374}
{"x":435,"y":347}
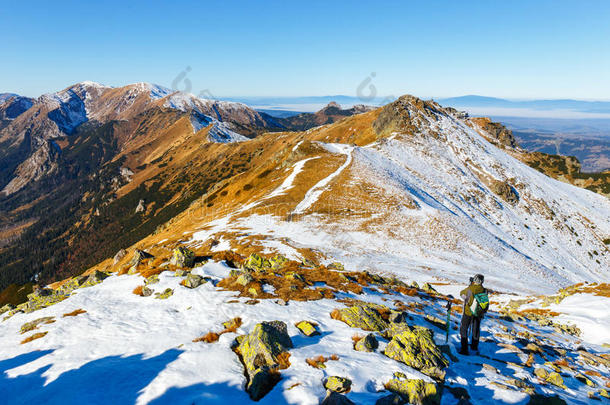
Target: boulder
{"x":367,"y":344}
{"x":260,"y":352}
{"x":146,"y":292}
{"x":181,"y":273}
{"x":338,"y":384}
{"x":256,"y":262}
{"x":552,"y":377}
{"x":505,"y":191}
{"x":182,"y":257}
{"x":244,"y":279}
{"x":416,"y":348}
{"x":193,"y":281}
{"x":416,"y":391}
{"x":366,"y":317}
{"x":154,"y":279}
{"x":334,"y":398}
{"x":427,"y":287}
{"x":307,"y":328}
{"x":138,"y":256}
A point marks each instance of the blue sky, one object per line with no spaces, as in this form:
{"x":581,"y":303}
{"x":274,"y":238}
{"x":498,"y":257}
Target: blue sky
{"x":513,"y":49}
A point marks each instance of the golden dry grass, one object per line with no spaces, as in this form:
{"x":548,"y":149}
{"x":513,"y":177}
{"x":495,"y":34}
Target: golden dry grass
{"x":209,"y":337}
{"x":138,"y":290}
{"x":75,"y":312}
{"x":283,"y":359}
{"x":318,"y":361}
{"x":35,"y":336}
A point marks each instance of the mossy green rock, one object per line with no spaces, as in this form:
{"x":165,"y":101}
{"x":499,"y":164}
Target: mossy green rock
{"x":168,"y":292}
{"x":138,"y":257}
{"x":338,"y":384}
{"x":308,"y":328}
{"x":366,"y":317}
{"x":291,"y":275}
{"x":416,"y":348}
{"x":183,"y":257}
{"x":259,"y":351}
{"x":414,"y":391}
{"x":367,"y":344}
{"x":154,"y":279}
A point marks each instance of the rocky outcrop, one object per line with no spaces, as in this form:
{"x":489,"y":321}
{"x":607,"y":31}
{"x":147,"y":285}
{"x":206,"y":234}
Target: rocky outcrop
{"x":307,"y":328}
{"x":262,"y":352}
{"x":338,"y":384}
{"x":505,"y":191}
{"x":368,"y":343}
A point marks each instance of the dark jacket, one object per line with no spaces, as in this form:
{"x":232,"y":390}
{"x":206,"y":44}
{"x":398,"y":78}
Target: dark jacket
{"x":468,"y":294}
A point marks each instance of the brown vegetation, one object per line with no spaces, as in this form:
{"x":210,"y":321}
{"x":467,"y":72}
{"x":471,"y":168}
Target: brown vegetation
{"x":35,"y":336}
{"x":138,"y":290}
{"x":75,"y":312}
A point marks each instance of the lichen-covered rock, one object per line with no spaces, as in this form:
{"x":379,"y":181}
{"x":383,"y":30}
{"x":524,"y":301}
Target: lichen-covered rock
{"x":416,"y":348}
{"x":427,"y":287}
{"x":368,"y":343}
{"x":256,"y":262}
{"x":336,"y":266}
{"x":277,"y":262}
{"x":416,"y":391}
{"x":6,"y":308}
{"x":338,"y":384}
{"x":193,"y":281}
{"x":168,"y":292}
{"x":154,"y":279}
{"x":244,"y":279}
{"x":552,"y":377}
{"x":260,"y":351}
{"x":138,"y":257}
{"x":182,"y":257}
{"x":146,"y":292}
{"x":308,"y":328}
{"x":366,"y":317}
{"x":583,"y":379}
{"x":181,"y":273}
{"x":604,"y":393}
{"x":28,"y":326}
{"x":291,"y":275}
{"x":334,"y":398}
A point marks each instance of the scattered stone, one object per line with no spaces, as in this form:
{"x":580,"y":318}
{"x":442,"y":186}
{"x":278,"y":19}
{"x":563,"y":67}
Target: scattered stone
{"x":398,"y":317}
{"x":604,"y":393}
{"x":28,"y":326}
{"x":366,"y":317}
{"x":308,"y":328}
{"x":505,"y":191}
{"x":291,"y":275}
{"x":338,"y":384}
{"x":146,"y":292}
{"x":154,"y":279}
{"x":416,"y":348}
{"x":428,"y":288}
{"x":533,"y":348}
{"x":583,"y":379}
{"x":416,"y":391}
{"x":256,"y":263}
{"x":521,"y":385}
{"x":552,"y":378}
{"x":281,"y":302}
{"x":260,"y":353}
{"x":193,"y":281}
{"x":168,"y":292}
{"x":181,"y":273}
{"x":182,"y":257}
{"x":6,"y":308}
{"x":244,"y":279}
{"x":277,"y":262}
{"x":138,"y":256}
{"x":436,"y":321}
{"x":336,"y":266}
{"x":368,"y":343}
{"x":140,"y":207}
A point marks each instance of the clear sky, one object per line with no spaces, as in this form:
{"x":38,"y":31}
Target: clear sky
{"x":513,"y":49}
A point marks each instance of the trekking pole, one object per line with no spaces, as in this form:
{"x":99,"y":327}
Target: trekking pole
{"x":450,"y":298}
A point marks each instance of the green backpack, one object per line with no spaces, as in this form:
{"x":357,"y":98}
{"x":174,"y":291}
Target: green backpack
{"x":480,"y":304}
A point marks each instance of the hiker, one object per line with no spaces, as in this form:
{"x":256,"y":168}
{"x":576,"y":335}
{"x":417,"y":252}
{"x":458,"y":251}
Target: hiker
{"x":476,"y":303}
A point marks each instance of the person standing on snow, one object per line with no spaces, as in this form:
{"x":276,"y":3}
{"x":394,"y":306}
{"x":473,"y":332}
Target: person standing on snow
{"x":476,"y":303}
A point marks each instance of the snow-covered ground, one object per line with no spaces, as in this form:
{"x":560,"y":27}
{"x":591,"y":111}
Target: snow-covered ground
{"x":131,"y":349}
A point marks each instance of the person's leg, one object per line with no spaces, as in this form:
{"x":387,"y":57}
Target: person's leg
{"x":464,"y":326}
{"x":476,"y":333}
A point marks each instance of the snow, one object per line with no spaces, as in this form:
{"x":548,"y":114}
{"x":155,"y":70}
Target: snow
{"x":314,"y":193}
{"x":287,"y":183}
{"x":589,"y":313}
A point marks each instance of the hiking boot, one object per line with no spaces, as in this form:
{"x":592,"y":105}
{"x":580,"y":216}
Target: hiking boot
{"x":475,"y":345}
{"x":464,"y":348}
